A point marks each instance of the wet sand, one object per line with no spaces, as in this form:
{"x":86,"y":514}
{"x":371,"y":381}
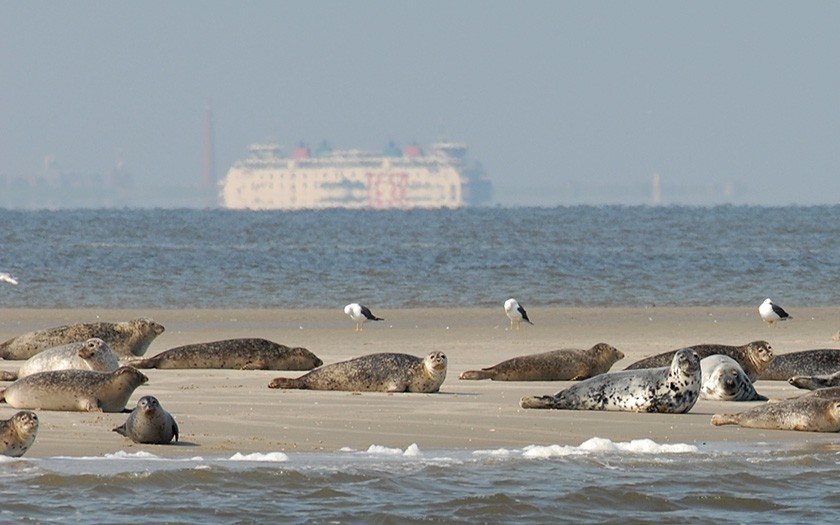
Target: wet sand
{"x":221,"y":412}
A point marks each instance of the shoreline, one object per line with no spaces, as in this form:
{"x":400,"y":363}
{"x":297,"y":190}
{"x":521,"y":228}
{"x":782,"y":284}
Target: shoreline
{"x":221,"y":412}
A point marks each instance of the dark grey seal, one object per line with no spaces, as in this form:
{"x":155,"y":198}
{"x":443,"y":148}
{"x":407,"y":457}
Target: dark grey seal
{"x":149,"y":423}
{"x":816,"y":382}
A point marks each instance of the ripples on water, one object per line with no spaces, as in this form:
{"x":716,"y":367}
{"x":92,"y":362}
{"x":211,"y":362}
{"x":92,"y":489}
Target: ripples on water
{"x":569,"y":256}
{"x":557,"y":484}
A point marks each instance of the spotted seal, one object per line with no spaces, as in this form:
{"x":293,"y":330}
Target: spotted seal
{"x":126,"y":338}
{"x":93,"y":354}
{"x":149,"y":423}
{"x":75,"y":390}
{"x":672,"y":389}
{"x":808,"y":413}
{"x":816,"y":382}
{"x":753,"y":357}
{"x":557,"y":365}
{"x":384,"y":372}
{"x":725,"y":380}
{"x":18,"y":433}
{"x":819,"y":362}
{"x":241,"y":354}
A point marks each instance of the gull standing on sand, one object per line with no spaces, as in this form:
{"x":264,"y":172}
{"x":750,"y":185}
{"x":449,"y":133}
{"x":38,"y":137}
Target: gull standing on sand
{"x":7,"y":278}
{"x":361,"y":314}
{"x":516,"y":313}
{"x":772,"y":312}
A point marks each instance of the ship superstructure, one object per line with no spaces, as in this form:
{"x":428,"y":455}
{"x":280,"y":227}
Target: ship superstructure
{"x":354,"y":179}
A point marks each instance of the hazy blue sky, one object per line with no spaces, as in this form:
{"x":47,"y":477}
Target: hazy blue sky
{"x":562,"y":102}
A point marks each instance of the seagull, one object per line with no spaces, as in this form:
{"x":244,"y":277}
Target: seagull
{"x":516,"y":313}
{"x":361,"y":314}
{"x":6,"y":278}
{"x":771,"y":312}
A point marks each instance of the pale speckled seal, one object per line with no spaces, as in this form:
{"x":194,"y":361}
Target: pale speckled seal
{"x":557,"y":365}
{"x":149,"y":423}
{"x":18,"y":433}
{"x":753,"y":357}
{"x":672,"y":389}
{"x":126,"y":338}
{"x":816,"y":382}
{"x":385,"y":372}
{"x":807,"y":413}
{"x":725,"y":380}
{"x":241,"y":354}
{"x":819,"y":362}
{"x":93,"y":354}
{"x":75,"y":390}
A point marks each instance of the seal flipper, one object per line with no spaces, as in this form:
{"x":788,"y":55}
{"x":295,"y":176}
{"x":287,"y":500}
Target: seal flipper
{"x":476,"y":374}
{"x":724,"y":419}
{"x":175,"y":428}
{"x":120,"y":430}
{"x":287,"y":383}
{"x":8,"y":376}
{"x":539,"y":402}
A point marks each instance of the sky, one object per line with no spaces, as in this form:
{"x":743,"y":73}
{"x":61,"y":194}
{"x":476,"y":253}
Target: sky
{"x":562,"y":102}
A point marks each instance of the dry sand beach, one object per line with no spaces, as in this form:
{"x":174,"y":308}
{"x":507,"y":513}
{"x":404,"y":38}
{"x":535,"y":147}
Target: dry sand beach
{"x":221,"y":412}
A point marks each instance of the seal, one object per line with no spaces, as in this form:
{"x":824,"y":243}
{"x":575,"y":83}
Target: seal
{"x":557,"y":365}
{"x":149,"y":423}
{"x":384,"y":372}
{"x":671,"y":390}
{"x":725,"y":380}
{"x":18,"y":433}
{"x":753,"y":357}
{"x":241,"y":354}
{"x":816,"y":382}
{"x":806,"y":413}
{"x":818,"y":362}
{"x":126,"y":338}
{"x":75,"y":390}
{"x":93,"y":354}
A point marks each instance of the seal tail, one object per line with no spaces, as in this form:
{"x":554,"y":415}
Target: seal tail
{"x":540,"y":402}
{"x":475,"y":374}
{"x":8,"y":376}
{"x":150,"y":362}
{"x":724,"y":419}
{"x":287,"y":383}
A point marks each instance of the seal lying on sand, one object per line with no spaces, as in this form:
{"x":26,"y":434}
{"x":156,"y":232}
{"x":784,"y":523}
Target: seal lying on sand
{"x":725,"y":380}
{"x":93,"y":354}
{"x":149,"y":423}
{"x":18,"y":433}
{"x":385,"y":372}
{"x":807,"y":413}
{"x":557,"y":365}
{"x":242,"y":354}
{"x":127,"y":338}
{"x":805,"y":363}
{"x":753,"y":357}
{"x":815,"y":382}
{"x":75,"y":390}
{"x":667,"y":390}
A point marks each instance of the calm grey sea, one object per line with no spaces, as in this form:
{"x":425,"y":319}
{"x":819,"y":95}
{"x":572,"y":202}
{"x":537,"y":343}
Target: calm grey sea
{"x":575,"y":256}
{"x":568,"y":256}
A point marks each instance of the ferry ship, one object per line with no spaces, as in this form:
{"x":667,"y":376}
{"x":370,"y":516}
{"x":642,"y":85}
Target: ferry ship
{"x":327,"y":178}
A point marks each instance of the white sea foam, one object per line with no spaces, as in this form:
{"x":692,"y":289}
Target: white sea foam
{"x":412,"y":451}
{"x":590,"y":446}
{"x":257,"y":456}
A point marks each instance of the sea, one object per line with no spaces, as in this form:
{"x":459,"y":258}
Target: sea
{"x":576,"y":256}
